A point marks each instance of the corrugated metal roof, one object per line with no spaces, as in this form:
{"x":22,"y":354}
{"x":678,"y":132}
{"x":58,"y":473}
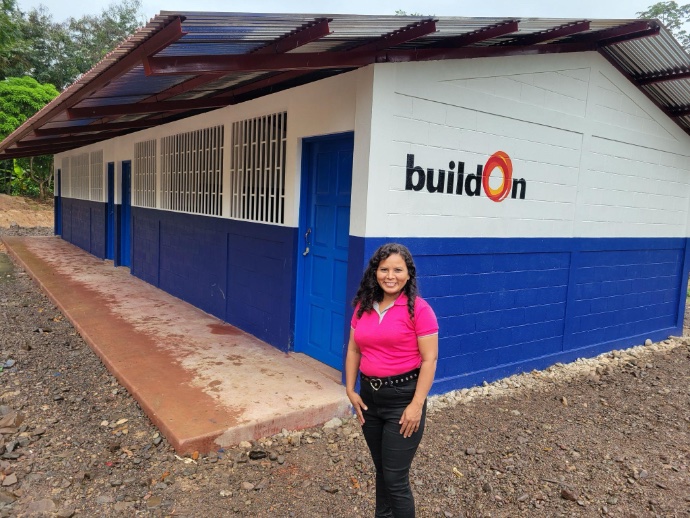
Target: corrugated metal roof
{"x":183,"y":63}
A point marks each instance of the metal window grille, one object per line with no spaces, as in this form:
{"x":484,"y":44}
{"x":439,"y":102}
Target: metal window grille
{"x":192,"y":171}
{"x":65,"y":178}
{"x":257,"y":169}
{"x":79,"y":176}
{"x":144,"y":177}
{"x":96,"y":188}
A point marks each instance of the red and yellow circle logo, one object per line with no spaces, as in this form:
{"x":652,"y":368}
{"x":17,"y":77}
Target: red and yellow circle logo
{"x":498,"y":161}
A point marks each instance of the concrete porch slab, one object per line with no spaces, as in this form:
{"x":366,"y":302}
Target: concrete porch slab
{"x":204,"y":383}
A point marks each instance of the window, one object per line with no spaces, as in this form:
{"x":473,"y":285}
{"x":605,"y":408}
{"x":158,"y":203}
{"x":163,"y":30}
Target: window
{"x":96,"y":190}
{"x":144,"y":177}
{"x":192,"y":171}
{"x":79,"y":176}
{"x":257,"y":169}
{"x":65,"y":178}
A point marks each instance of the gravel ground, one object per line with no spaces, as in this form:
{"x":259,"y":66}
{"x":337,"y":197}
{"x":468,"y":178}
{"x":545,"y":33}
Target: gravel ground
{"x":600,"y":437}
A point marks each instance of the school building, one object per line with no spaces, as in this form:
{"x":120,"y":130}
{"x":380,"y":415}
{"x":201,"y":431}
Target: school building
{"x":250,"y":164}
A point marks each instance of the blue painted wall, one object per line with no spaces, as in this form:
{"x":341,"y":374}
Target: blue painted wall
{"x":241,"y":272}
{"x":504,"y":305}
{"x":83,"y":225}
{"x":512,"y":305}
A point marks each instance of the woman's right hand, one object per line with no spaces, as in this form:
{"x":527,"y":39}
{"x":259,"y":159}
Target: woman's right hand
{"x":357,"y":404}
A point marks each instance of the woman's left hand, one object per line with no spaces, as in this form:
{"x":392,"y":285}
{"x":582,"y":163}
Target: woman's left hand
{"x":410,"y":419}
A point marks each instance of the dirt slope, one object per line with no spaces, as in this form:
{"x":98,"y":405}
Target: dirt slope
{"x":24,"y":212}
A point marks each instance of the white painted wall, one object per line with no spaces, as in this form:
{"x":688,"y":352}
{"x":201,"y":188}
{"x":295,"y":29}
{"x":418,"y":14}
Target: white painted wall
{"x":333,"y":105}
{"x":600,"y":160}
{"x":598,"y":157}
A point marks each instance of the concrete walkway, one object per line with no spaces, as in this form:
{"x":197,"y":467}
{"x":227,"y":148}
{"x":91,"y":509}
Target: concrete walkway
{"x":203,"y":383}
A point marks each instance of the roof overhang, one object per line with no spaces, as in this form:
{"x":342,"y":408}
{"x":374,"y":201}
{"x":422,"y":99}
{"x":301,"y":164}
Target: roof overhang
{"x":182,"y":64}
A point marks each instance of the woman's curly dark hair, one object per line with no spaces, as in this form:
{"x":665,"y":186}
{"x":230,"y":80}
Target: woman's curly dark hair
{"x":369,"y":290}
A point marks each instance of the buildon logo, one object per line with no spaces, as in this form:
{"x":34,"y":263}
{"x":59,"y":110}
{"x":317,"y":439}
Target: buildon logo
{"x":454,"y":181}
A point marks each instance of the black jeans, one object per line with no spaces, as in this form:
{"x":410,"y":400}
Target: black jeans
{"x":391,"y":452}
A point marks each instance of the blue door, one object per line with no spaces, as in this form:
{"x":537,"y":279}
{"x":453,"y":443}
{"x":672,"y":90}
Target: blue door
{"x":110,"y":215}
{"x":323,"y":246}
{"x":126,"y":216}
{"x":58,"y":204}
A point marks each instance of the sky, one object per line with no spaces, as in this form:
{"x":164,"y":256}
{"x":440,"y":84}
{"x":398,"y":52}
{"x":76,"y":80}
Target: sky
{"x":590,"y":9}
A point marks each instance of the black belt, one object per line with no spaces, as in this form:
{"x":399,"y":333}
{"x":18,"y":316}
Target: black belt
{"x":377,"y":383}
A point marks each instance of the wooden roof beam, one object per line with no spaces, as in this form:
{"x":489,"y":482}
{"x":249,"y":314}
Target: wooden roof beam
{"x":95,"y":128}
{"x":561,"y":31}
{"x":164,"y":107}
{"x":353,"y":59}
{"x":51,"y":141}
{"x":312,"y":31}
{"x":660,"y":77}
{"x":682,"y":111}
{"x":398,"y":37}
{"x":631,"y":31}
{"x":36,"y":151}
{"x":483,"y":34}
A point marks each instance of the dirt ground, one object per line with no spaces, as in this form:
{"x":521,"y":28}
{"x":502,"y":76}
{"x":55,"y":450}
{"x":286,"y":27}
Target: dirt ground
{"x":600,"y":437}
{"x":24,"y":212}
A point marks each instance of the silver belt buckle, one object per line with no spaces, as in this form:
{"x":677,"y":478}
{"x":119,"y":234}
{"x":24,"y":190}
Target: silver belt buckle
{"x":375,"y":383}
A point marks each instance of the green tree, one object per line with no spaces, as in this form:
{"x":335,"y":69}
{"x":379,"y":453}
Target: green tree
{"x":10,"y":34}
{"x":32,"y":44}
{"x":58,"y":53}
{"x":92,"y":37}
{"x":20,"y":98}
{"x":675,"y":17}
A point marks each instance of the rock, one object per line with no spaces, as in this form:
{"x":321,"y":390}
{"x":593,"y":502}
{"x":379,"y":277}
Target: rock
{"x":257,"y":454}
{"x":567,"y":494}
{"x":40,"y":507}
{"x":104,"y":499}
{"x":6,"y":497}
{"x":154,"y":501}
{"x":9,"y":480}
{"x":295,"y":438}
{"x":68,"y":512}
{"x":648,"y":342}
{"x":245,"y":445}
{"x":333,"y":423}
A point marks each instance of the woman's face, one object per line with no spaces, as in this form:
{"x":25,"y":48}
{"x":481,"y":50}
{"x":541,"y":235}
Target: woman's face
{"x":392,"y":275}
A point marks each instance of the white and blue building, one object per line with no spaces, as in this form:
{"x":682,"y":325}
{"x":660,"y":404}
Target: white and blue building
{"x":544,"y":193}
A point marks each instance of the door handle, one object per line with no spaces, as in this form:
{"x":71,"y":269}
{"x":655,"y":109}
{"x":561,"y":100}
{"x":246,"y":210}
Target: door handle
{"x":306,"y":241}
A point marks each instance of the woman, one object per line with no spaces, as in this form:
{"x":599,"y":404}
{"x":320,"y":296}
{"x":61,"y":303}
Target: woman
{"x":394,"y":346}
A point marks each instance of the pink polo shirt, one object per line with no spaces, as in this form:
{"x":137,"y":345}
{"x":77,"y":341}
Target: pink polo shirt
{"x":389,"y":345}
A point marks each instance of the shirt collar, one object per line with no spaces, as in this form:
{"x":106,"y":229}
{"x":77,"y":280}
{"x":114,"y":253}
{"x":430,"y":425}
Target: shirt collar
{"x":401,"y":300}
